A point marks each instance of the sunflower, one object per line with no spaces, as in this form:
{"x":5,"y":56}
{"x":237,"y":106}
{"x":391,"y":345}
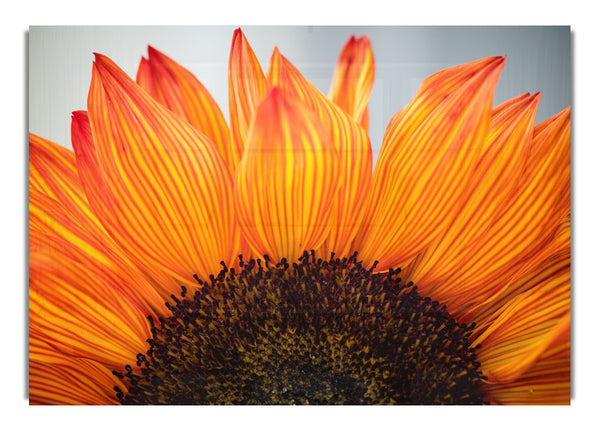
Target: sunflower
{"x":177,"y":258}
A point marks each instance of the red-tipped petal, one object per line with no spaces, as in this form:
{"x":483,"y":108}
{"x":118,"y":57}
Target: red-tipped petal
{"x":523,"y":224}
{"x":52,"y":171}
{"x":524,"y":329}
{"x":144,"y":76}
{"x":287,"y":179}
{"x":349,"y":139}
{"x":424,"y":171}
{"x":159,"y":187}
{"x":178,"y":89}
{"x":496,"y":176}
{"x":59,"y":214}
{"x":247,"y":87}
{"x":353,"y":79}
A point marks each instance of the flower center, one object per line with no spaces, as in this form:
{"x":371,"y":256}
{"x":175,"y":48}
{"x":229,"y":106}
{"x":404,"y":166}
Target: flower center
{"x":313,"y":332}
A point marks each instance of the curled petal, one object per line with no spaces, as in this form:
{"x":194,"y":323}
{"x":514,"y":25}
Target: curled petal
{"x":286,"y":180}
{"x":524,"y":329}
{"x":59,"y":379}
{"x":547,"y":382}
{"x":350,"y":140}
{"x":160,"y":188}
{"x":178,"y":89}
{"x":424,"y":172}
{"x":247,"y":87}
{"x":353,"y":79}
{"x":77,"y":306}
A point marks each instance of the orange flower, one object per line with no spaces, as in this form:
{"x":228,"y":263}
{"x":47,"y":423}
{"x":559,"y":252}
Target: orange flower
{"x":471,"y":201}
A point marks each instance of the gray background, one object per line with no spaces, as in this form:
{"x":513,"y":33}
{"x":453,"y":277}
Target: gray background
{"x":60,"y":60}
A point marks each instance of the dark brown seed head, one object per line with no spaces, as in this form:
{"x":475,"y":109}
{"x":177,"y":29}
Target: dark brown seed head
{"x":310,"y":332}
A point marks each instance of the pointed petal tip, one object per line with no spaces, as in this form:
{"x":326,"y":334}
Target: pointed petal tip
{"x":534,"y":99}
{"x":363,"y":40}
{"x":563,"y":116}
{"x":237,"y":35}
{"x":500,"y":60}
{"x":493,"y":69}
{"x":78,"y":114}
{"x":353,"y":39}
{"x":527,"y":98}
{"x":276,"y":56}
{"x":534,"y":102}
{"x":153,"y":52}
{"x":100,"y":57}
{"x":79,"y":119}
{"x":102,"y":63}
{"x":495,"y":61}
{"x":156,"y":57}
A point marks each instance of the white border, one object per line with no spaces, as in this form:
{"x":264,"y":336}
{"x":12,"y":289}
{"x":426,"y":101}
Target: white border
{"x":579,"y":14}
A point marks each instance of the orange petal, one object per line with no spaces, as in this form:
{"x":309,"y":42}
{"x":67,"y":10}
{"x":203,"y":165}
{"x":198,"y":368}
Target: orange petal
{"x":559,"y":245}
{"x":144,"y":76}
{"x":350,"y":140}
{"x":424,"y":171}
{"x":59,"y":212}
{"x":548,"y":381}
{"x":59,"y":379}
{"x":178,"y":89}
{"x":159,"y":187}
{"x":51,"y":225}
{"x":286,"y":180}
{"x":525,"y":327}
{"x":95,"y":240}
{"x":52,"y":171}
{"x":548,"y":263}
{"x":430,"y":94}
{"x":496,"y":177}
{"x":77,"y":306}
{"x":247,"y":87}
{"x":522,"y":224}
{"x":353,"y":79}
